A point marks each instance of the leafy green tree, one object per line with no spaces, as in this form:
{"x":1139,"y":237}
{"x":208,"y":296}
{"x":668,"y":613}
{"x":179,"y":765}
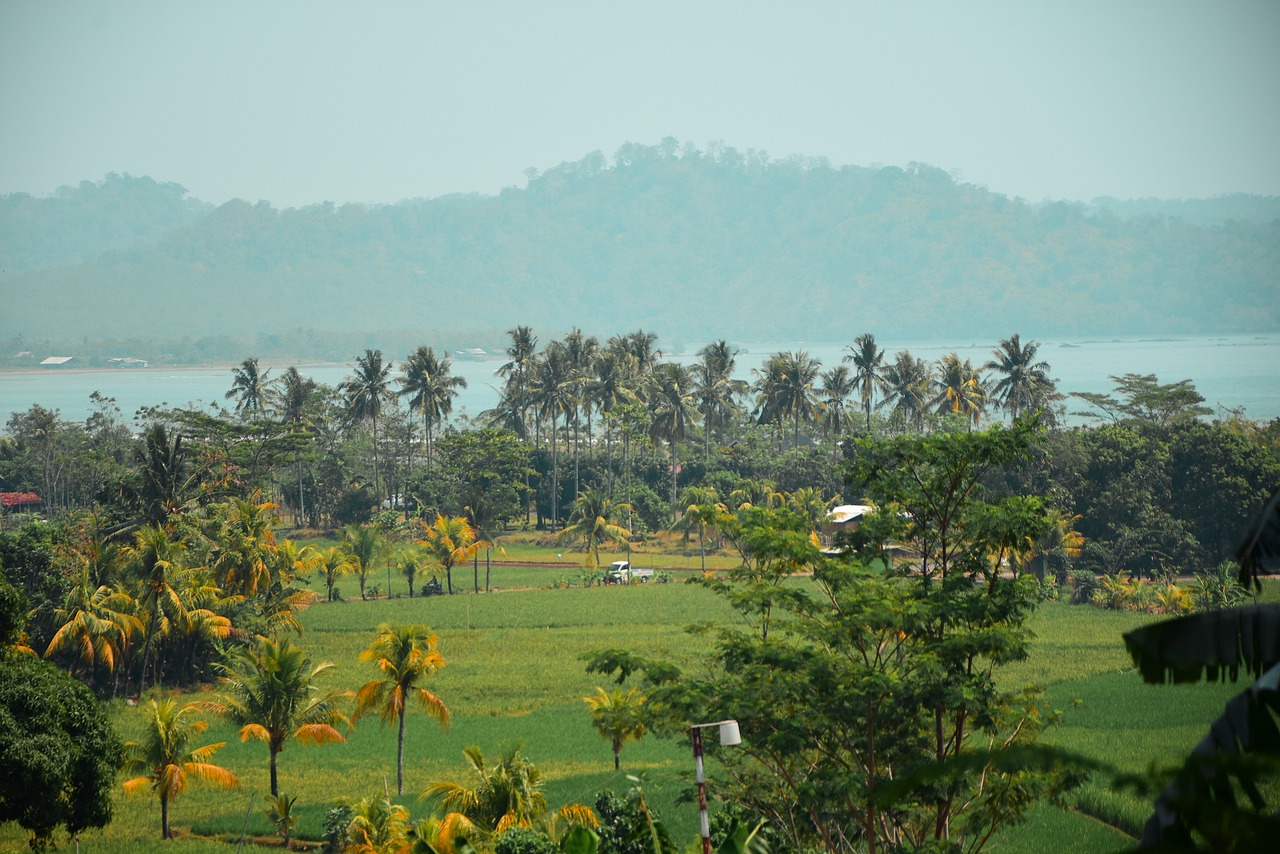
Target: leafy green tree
{"x":405,"y":654}
{"x":785,"y":387}
{"x":906,"y":385}
{"x":916,"y":743}
{"x":59,"y":754}
{"x":594,"y":521}
{"x":274,"y":695}
{"x":837,"y":385}
{"x":717,"y":390}
{"x":618,"y":716}
{"x":1144,"y":398}
{"x":166,"y":760}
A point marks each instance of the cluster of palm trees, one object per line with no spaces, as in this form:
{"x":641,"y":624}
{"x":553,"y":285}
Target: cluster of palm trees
{"x":158,"y":607}
{"x":273,"y":694}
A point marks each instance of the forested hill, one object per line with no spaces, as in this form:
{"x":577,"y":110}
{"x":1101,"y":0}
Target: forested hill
{"x":693,"y":244}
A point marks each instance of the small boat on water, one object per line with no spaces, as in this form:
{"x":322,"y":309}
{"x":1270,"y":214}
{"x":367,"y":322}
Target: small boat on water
{"x":471,"y":354}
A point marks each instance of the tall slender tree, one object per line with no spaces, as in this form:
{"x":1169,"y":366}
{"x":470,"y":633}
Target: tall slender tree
{"x":960,"y":389}
{"x":717,"y":390}
{"x":837,"y":385}
{"x":365,"y":392}
{"x":868,"y":365}
{"x":1024,"y":383}
{"x":674,"y":410}
{"x":249,"y":388}
{"x":165,"y":759}
{"x":405,"y":655}
{"x":274,"y":695}
{"x":431,"y":388}
{"x":906,"y":385}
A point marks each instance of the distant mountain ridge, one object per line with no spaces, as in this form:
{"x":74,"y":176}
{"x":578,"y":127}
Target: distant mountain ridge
{"x":694,"y":245}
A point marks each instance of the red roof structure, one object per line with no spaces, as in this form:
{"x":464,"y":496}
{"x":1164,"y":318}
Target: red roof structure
{"x":18,"y":499}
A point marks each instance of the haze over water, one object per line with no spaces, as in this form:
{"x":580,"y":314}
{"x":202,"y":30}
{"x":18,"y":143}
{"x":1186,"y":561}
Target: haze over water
{"x":1231,"y":371}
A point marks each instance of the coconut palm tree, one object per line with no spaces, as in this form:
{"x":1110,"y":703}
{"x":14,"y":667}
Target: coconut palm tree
{"x":837,"y":385}
{"x":868,"y":364}
{"x":291,"y":394}
{"x":365,"y":393}
{"x":717,"y":390}
{"x":518,"y":373}
{"x":334,"y":562}
{"x":249,"y":388}
{"x":1024,"y":383}
{"x":960,"y":389}
{"x":166,"y":761}
{"x":273,"y":695}
{"x":98,"y":624}
{"x":449,"y":541}
{"x":618,"y":717}
{"x":364,"y":546}
{"x":554,"y":397}
{"x":427,"y":382}
{"x":155,"y":561}
{"x":609,"y":387}
{"x":169,"y":477}
{"x":906,"y":388}
{"x":702,"y":508}
{"x":406,"y":655}
{"x":594,"y":521}
{"x":505,"y":793}
{"x":674,"y":410}
{"x":785,"y":387}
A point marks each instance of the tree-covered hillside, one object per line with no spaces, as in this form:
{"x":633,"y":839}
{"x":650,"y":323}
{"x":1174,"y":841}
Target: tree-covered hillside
{"x":701,"y":243}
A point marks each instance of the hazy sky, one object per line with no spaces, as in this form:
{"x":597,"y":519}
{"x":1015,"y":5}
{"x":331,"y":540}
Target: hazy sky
{"x":298,"y":103}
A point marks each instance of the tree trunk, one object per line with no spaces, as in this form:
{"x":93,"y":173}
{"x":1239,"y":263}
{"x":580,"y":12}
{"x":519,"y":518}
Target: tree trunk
{"x":400,"y":756}
{"x":275,"y":782}
{"x":164,"y":814}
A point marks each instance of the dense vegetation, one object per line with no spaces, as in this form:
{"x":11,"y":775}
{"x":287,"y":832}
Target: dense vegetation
{"x":166,"y":566}
{"x":654,"y":236}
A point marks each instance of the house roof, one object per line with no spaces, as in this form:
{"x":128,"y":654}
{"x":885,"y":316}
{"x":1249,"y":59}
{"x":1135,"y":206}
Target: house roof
{"x":57,"y":360}
{"x":848,"y":512}
{"x":18,"y":499}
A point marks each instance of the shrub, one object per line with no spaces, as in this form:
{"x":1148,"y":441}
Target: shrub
{"x":524,"y":840}
{"x":1083,"y":584}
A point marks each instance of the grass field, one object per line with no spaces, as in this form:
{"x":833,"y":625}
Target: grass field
{"x":514,"y":676}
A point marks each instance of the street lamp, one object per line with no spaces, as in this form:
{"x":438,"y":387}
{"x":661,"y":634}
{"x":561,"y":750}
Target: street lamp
{"x":729,"y":737}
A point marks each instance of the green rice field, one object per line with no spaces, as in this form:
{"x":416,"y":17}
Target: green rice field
{"x":514,"y":676}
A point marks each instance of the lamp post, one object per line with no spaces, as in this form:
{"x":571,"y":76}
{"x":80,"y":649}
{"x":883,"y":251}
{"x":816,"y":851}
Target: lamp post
{"x":729,"y":737}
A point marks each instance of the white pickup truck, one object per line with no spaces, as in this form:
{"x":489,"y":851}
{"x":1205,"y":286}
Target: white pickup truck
{"x":622,"y":572}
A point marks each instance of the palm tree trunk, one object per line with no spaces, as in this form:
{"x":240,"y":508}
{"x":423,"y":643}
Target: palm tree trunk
{"x":400,"y":755}
{"x":164,"y":814}
{"x":275,"y":782}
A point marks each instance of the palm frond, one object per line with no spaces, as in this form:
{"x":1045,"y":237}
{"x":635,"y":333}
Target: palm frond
{"x":1205,"y":645}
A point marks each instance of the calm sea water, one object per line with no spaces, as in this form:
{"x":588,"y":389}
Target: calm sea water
{"x":1231,"y":371}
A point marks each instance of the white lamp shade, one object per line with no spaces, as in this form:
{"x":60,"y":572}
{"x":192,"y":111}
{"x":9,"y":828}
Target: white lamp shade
{"x":729,"y":735}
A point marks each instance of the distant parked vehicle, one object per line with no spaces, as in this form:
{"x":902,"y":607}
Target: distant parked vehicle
{"x":622,"y":572}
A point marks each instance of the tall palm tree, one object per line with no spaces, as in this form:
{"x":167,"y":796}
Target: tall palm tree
{"x":249,"y":388}
{"x":786,"y":389}
{"x":169,"y":476}
{"x":868,"y":363}
{"x":166,"y":761}
{"x":553,"y":393}
{"x":406,"y":655}
{"x":674,"y":411}
{"x":431,"y":388}
{"x":906,"y":387}
{"x":292,"y":393}
{"x":617,"y":716}
{"x":1024,"y":383}
{"x":593,"y":521}
{"x":837,"y":385}
{"x":365,"y":392}
{"x":718,"y":391}
{"x":274,"y":696}
{"x":960,"y":389}
{"x":582,"y":351}
{"x":155,"y":561}
{"x":518,"y":373}
{"x":449,"y":541}
{"x":609,"y":387}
